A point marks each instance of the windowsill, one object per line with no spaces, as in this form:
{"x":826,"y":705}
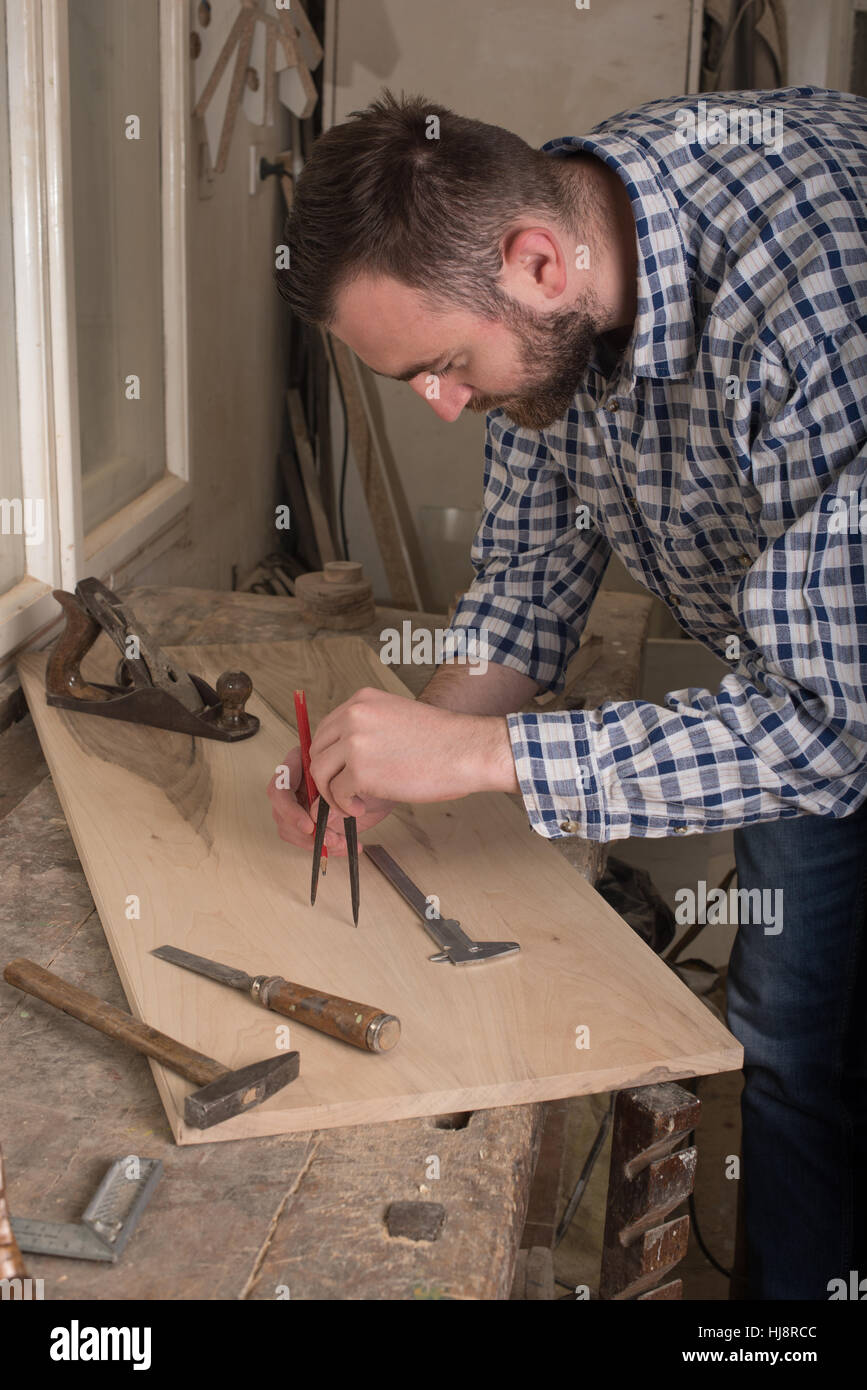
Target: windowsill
{"x":111,"y":543}
{"x":25,"y":610}
{"x":28,"y":613}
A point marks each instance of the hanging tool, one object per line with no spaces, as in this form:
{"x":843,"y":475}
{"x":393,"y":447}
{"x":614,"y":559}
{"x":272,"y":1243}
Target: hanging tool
{"x":350,"y":828}
{"x":150,"y":688}
{"x":223,"y":1092}
{"x":108,"y":1221}
{"x":359,"y":1024}
{"x":455,"y":945}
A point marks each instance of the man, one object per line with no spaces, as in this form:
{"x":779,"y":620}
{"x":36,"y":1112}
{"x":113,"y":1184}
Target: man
{"x":665,"y":321}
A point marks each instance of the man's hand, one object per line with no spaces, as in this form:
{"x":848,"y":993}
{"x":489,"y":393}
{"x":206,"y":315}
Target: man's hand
{"x":378,"y":748}
{"x":296,"y":826}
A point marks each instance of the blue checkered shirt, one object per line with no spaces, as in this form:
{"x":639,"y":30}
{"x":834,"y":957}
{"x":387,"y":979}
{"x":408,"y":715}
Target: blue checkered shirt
{"x":722,"y":457}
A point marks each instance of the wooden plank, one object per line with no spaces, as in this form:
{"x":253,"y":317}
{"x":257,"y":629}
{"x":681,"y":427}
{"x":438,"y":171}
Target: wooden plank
{"x":385,"y":502}
{"x":307,"y":467}
{"x":185,"y":826}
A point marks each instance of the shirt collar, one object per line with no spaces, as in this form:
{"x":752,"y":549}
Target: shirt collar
{"x":663,"y":341}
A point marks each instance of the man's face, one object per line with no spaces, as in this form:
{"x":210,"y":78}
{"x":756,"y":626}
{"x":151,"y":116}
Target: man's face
{"x":527,"y":362}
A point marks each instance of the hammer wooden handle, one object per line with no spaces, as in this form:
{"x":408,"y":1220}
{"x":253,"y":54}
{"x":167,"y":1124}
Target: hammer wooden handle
{"x":360,"y":1024}
{"x":33,"y":979}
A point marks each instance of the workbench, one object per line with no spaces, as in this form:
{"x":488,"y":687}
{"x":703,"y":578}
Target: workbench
{"x":290,"y":1216}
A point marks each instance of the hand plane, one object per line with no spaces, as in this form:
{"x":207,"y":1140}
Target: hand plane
{"x":150,"y":688}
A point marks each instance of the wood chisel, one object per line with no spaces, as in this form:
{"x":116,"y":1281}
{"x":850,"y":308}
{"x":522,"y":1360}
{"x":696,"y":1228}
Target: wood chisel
{"x":455,"y":945}
{"x":360,"y":1024}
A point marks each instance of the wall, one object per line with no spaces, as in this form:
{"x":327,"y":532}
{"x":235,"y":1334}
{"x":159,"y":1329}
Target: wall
{"x":542,"y":70}
{"x":485,"y":60}
{"x":811,"y":42}
{"x":238,"y":365}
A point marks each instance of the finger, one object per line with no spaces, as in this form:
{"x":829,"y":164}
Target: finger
{"x":335,"y":724}
{"x":327,"y":734}
{"x":345,"y":797}
{"x":292,"y":819}
{"x":295,"y":832}
{"x":341,"y":796}
{"x":325,"y":767}
{"x":288,"y":774}
{"x":292,"y":830}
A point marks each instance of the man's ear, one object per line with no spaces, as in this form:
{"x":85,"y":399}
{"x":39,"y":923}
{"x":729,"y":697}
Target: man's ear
{"x":534,"y":264}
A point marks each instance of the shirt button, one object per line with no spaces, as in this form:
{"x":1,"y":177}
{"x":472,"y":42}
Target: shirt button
{"x":570,"y":826}
{"x":612,"y":407}
{"x":680,"y":829}
{"x":745,"y":562}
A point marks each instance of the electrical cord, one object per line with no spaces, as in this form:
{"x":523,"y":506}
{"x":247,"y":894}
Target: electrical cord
{"x":693,"y":1215}
{"x":341,"y":494}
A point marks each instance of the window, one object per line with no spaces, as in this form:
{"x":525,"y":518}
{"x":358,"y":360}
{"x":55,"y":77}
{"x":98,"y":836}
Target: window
{"x":12,"y":509}
{"x":93,"y":339}
{"x":114,"y":91}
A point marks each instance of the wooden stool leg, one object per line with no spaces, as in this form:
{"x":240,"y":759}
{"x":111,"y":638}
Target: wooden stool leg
{"x":647,"y":1181}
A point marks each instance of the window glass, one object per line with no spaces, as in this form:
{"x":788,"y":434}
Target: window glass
{"x":17,"y":514}
{"x":115,"y":138}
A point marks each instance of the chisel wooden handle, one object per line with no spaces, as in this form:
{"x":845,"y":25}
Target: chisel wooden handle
{"x":359,"y":1024}
{"x":33,"y":979}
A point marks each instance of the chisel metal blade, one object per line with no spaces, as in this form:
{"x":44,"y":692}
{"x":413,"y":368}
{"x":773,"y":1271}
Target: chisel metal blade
{"x":224,"y":974}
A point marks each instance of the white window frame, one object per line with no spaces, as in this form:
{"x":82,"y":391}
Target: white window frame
{"x":42,"y":231}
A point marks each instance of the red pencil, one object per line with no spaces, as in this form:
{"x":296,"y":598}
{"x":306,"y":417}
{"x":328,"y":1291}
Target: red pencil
{"x":305,"y":740}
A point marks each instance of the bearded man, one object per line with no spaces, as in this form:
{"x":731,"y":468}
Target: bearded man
{"x":665,"y":325}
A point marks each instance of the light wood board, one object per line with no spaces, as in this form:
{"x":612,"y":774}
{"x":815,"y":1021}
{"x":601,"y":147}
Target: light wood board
{"x":185,"y":825}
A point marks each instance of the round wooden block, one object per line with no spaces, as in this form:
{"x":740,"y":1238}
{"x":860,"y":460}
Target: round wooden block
{"x":338,"y":597}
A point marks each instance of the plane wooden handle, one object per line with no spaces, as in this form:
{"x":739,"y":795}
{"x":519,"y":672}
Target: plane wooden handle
{"x":359,"y":1024}
{"x":42,"y":984}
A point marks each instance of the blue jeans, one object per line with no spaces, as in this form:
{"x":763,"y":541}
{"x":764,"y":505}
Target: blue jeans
{"x":797,"y":1001}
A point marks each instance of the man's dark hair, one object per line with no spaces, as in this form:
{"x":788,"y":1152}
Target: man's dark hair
{"x":379,"y":195}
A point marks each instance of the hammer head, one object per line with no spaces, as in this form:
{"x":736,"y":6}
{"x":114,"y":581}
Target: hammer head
{"x":237,"y":1091}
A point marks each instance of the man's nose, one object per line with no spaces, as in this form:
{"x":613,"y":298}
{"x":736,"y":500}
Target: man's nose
{"x":447,"y":399}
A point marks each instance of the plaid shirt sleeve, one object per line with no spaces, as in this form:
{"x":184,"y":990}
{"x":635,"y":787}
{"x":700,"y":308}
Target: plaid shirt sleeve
{"x":786,"y":733}
{"x":536,"y":572}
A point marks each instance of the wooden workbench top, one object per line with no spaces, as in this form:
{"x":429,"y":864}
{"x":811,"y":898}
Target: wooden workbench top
{"x":300,"y":1217}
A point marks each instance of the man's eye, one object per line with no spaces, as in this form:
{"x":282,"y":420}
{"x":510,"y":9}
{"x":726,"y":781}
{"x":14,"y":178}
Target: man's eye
{"x":447,"y":368}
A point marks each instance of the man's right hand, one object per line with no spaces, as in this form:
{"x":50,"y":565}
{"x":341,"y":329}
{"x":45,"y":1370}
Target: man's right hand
{"x":297,"y":826}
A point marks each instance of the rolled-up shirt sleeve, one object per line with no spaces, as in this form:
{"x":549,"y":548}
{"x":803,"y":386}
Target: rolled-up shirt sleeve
{"x":536,"y":572}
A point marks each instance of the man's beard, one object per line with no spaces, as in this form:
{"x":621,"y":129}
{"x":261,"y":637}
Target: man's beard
{"x":555,"y":349}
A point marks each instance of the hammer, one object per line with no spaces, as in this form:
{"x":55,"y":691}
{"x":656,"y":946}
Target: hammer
{"x":223,"y":1093}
